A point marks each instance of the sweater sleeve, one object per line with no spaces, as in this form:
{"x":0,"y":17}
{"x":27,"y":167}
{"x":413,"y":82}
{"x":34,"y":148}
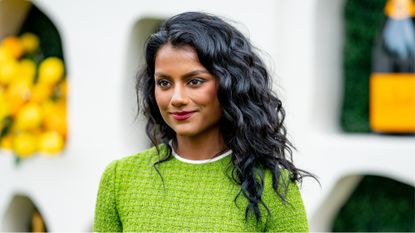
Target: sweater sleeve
{"x":106,"y":214}
{"x":289,"y":216}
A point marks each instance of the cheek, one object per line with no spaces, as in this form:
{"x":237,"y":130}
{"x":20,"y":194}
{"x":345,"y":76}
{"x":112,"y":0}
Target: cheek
{"x":210,"y":100}
{"x":208,"y":94}
{"x":162,"y":99}
{"x":212,"y":93}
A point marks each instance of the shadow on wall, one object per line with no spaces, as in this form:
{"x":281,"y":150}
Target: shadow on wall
{"x":22,"y":215}
{"x":134,"y":128}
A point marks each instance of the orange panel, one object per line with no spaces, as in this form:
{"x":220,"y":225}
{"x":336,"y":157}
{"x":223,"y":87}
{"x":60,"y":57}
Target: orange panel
{"x":392,"y":102}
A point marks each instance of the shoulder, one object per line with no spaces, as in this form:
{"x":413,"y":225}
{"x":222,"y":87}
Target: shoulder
{"x":286,"y":186}
{"x":289,"y":214}
{"x":285,"y":180}
{"x":142,"y":160}
{"x":149,"y":155}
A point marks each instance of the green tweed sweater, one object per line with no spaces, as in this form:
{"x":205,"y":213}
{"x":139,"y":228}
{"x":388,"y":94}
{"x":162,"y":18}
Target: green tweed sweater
{"x":192,"y":197}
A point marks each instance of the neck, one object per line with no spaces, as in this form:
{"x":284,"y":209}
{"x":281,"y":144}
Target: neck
{"x":201,"y":148}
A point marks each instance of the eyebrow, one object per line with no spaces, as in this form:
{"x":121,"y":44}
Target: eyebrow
{"x":187,"y":75}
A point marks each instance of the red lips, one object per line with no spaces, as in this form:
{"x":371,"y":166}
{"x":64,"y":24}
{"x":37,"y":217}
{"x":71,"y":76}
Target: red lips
{"x":181,"y":116}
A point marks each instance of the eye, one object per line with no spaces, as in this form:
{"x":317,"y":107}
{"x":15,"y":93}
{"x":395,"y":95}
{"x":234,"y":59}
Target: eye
{"x":164,"y":84}
{"x":196,"y":82}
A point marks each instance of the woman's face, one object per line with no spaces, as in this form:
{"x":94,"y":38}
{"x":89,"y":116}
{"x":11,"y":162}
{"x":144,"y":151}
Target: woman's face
{"x":186,"y":93}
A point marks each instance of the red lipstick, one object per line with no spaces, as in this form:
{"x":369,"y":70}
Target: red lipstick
{"x":181,"y":116}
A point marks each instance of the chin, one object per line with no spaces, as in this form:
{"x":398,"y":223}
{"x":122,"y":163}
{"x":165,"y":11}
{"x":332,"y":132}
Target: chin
{"x":185,"y":133}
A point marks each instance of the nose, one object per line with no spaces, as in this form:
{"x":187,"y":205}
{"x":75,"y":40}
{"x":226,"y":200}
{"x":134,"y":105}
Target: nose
{"x":179,"y":97}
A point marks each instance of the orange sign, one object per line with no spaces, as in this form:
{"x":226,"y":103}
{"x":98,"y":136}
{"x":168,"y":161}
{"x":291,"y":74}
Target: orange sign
{"x":392,"y":102}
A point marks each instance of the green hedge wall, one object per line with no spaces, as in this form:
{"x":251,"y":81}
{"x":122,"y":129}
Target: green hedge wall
{"x":363,"y":20}
{"x":378,"y":204}
{"x":38,"y":23}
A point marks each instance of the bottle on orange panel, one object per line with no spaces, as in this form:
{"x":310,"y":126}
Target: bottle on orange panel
{"x":392,"y":83}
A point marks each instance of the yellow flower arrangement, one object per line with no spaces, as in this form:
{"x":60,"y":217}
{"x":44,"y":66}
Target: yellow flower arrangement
{"x":32,"y":98}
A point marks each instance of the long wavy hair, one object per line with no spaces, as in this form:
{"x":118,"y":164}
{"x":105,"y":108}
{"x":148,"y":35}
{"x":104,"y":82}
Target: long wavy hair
{"x":252,"y":114}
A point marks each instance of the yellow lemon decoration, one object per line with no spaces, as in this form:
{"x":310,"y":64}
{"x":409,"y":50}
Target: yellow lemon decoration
{"x":4,"y":54}
{"x":8,"y":71}
{"x":27,"y":70}
{"x":51,"y":70}
{"x":24,"y":144}
{"x":17,"y":94}
{"x":4,"y":110}
{"x":13,"y":46}
{"x":29,"y":117}
{"x":4,"y":105}
{"x":63,"y":89}
{"x":51,"y":142}
{"x":29,"y":42}
{"x":6,"y":142}
{"x":40,"y":92}
{"x":32,"y":98}
{"x":55,"y":117}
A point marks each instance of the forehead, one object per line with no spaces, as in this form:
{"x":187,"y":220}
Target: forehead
{"x":175,"y":58}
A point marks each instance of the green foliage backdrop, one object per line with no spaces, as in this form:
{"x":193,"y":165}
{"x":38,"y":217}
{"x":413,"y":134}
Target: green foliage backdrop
{"x":38,"y":23}
{"x":363,"y":21}
{"x":378,"y":204}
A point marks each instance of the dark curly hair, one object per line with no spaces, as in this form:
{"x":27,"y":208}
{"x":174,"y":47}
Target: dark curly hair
{"x":252,"y":115}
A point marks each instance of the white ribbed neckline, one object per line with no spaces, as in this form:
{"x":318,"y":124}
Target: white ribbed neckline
{"x":203,"y":161}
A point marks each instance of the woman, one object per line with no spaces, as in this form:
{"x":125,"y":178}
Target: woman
{"x":221,"y":159}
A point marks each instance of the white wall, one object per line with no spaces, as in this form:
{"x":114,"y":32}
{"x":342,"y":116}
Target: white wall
{"x":303,"y":40}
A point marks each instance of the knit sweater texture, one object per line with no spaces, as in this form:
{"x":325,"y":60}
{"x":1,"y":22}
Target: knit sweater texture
{"x":133,"y":197}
